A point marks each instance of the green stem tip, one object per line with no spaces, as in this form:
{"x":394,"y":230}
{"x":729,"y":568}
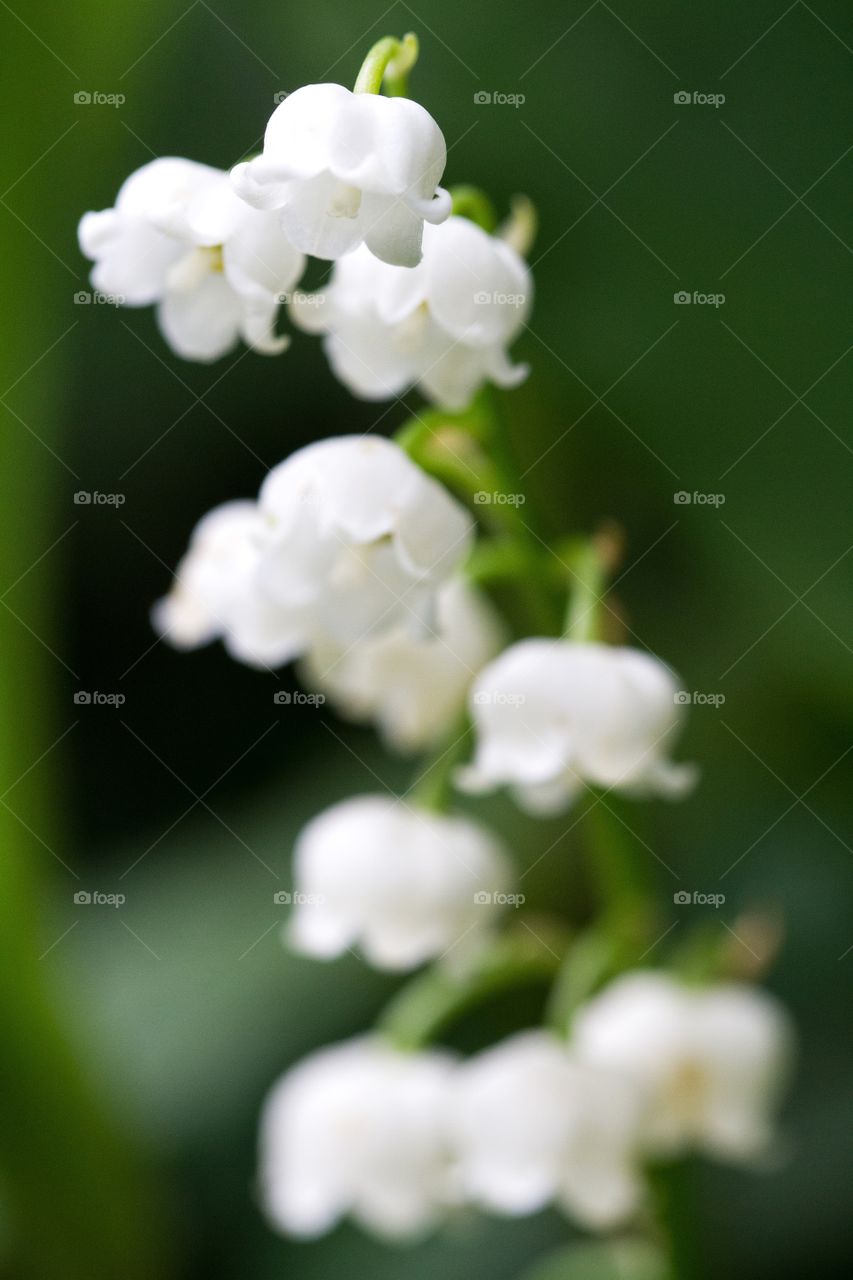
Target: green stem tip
{"x":389,"y":62}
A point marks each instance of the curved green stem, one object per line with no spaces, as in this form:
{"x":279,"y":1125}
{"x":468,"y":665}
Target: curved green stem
{"x":433,"y":788}
{"x":472,"y":203}
{"x":390,"y":60}
{"x":433,"y":1001}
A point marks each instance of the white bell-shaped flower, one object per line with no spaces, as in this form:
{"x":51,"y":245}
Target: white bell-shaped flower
{"x":551,"y":715}
{"x":530,"y":1126}
{"x":413,"y":685}
{"x":349,"y":538}
{"x":445,"y":326}
{"x":179,"y":238}
{"x":709,"y":1062}
{"x":403,"y":884}
{"x":358,"y":538}
{"x":215,"y":594}
{"x":357,"y":1129}
{"x":346,"y":169}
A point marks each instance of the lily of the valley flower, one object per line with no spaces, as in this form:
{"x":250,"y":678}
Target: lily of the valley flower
{"x":530,"y":1126}
{"x":551,"y":715}
{"x":349,"y":539}
{"x":708,"y":1063}
{"x":445,"y":325}
{"x":402,"y":884}
{"x":179,"y":238}
{"x":357,"y":1129}
{"x":413,"y":686}
{"x":346,"y":169}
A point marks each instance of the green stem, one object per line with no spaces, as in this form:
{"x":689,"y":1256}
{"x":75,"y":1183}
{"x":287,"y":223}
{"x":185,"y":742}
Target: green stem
{"x":587,"y":586}
{"x":434,"y":786}
{"x":430,"y":1003}
{"x":472,"y":203}
{"x":674,"y":1197}
{"x":621,"y":869}
{"x":390,"y":60}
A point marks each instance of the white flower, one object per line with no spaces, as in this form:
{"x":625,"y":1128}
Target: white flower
{"x":445,"y":325}
{"x":551,"y":715}
{"x":413,"y":685}
{"x":710,"y":1063}
{"x":180,"y":238}
{"x":349,"y":538}
{"x":403,"y":884}
{"x":346,"y":169}
{"x":357,"y":1129}
{"x":531,"y":1126}
{"x":215,"y":593}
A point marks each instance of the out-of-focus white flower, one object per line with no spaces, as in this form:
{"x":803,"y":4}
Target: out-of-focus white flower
{"x":357,"y":1129}
{"x":551,"y":715}
{"x":215,"y":593}
{"x":403,"y":884}
{"x":413,"y":685}
{"x":179,"y":237}
{"x":709,"y":1063}
{"x":346,"y":169}
{"x":446,"y":325}
{"x":358,"y":538}
{"x":349,"y":538}
{"x":531,"y":1126}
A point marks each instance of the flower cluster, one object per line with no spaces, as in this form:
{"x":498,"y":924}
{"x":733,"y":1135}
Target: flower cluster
{"x":347,"y":541}
{"x":651,"y":1068}
{"x":416,"y":296}
{"x":376,"y":565}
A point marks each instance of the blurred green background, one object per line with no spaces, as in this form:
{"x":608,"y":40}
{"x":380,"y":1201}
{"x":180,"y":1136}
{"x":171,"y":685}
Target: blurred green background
{"x":139,"y":1042}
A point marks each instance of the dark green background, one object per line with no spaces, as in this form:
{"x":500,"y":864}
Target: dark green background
{"x":138,"y":1049}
